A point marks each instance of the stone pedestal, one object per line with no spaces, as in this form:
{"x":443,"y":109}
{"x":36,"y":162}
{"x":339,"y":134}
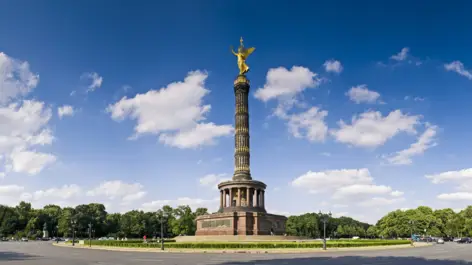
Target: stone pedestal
{"x":240,"y":223}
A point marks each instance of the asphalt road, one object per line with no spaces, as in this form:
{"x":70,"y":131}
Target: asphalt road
{"x":43,"y":253}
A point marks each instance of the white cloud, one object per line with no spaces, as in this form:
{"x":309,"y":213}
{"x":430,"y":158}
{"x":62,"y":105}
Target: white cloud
{"x":349,"y":186}
{"x":175,"y":113}
{"x":397,"y":193}
{"x":65,"y":110}
{"x":380,"y":201}
{"x":309,"y":124}
{"x":371,"y":129}
{"x":202,"y":134}
{"x":402,"y":55}
{"x":23,"y":127}
{"x":459,"y":176}
{"x":457,"y":196}
{"x":64,"y":192}
{"x":10,"y":190}
{"x":361,"y":189}
{"x":361,"y":93}
{"x":424,"y":142}
{"x":118,"y":189}
{"x":30,"y":162}
{"x":194,"y":203}
{"x":16,"y":78}
{"x":95,"y":79}
{"x":284,"y":83}
{"x":462,"y":178}
{"x":333,"y":66}
{"x":212,"y":180}
{"x":458,"y":67}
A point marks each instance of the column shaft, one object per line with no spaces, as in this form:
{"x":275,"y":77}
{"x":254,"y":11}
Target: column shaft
{"x":230,"y":197}
{"x":221,"y":199}
{"x":241,"y":136}
{"x":248,"y":191}
{"x":224,"y":198}
{"x":238,"y":202}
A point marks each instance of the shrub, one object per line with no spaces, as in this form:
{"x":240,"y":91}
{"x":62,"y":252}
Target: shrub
{"x":252,"y":245}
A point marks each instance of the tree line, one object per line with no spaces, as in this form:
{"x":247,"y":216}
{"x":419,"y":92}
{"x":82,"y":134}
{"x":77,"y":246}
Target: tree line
{"x":24,"y":221}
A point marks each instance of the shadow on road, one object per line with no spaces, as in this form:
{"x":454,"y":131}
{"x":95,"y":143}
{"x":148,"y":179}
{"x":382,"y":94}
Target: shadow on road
{"x":352,"y":260}
{"x":15,"y":256}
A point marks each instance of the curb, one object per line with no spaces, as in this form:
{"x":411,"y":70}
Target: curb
{"x":239,"y":251}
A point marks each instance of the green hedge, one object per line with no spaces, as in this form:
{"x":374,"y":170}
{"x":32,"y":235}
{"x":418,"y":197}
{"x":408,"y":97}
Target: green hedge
{"x":253,"y":245}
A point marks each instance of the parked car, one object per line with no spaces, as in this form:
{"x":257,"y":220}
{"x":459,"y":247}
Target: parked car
{"x":24,"y":239}
{"x":465,"y":240}
{"x":448,"y":239}
{"x":440,"y":241}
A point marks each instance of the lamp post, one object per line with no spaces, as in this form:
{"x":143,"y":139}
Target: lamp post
{"x":162,"y":215}
{"x":411,"y":223}
{"x":324,"y":218}
{"x":73,"y":223}
{"x":90,"y":234}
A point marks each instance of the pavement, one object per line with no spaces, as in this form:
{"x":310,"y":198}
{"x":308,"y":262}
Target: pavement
{"x":44,"y":253}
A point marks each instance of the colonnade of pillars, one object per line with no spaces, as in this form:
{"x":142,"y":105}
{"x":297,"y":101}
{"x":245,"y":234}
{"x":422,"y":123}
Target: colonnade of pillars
{"x":246,"y":197}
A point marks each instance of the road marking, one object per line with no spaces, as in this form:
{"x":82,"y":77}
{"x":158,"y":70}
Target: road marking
{"x":148,"y":260}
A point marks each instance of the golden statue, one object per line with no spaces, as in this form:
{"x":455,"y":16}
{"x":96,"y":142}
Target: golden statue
{"x":242,"y":55}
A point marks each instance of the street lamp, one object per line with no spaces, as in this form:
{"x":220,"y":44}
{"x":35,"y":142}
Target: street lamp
{"x":324,"y":218}
{"x":411,"y":223}
{"x":73,"y":223}
{"x":162,"y":215}
{"x":90,"y":234}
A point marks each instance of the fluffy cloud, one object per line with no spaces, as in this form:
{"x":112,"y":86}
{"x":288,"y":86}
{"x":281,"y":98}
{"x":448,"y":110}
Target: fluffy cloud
{"x":456,"y":196}
{"x":194,"y":203}
{"x":12,"y":194}
{"x":175,"y":113}
{"x":458,"y":67}
{"x":212,"y":180}
{"x":459,"y":176}
{"x":117,"y":189}
{"x":65,"y":192}
{"x":65,"y":110}
{"x":16,"y":78}
{"x":202,"y":134}
{"x":30,"y":162}
{"x":361,"y":93}
{"x":309,"y":124}
{"x":347,"y":185}
{"x":23,"y":127}
{"x":463,"y":180}
{"x":333,"y":66}
{"x":424,"y":142}
{"x":380,"y":201}
{"x":402,"y":55}
{"x":95,"y":81}
{"x":371,"y":129}
{"x":284,"y":83}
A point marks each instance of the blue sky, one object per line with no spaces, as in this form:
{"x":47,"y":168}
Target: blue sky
{"x":399,"y":68}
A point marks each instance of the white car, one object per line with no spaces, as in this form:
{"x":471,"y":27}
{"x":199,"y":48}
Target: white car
{"x":440,"y":241}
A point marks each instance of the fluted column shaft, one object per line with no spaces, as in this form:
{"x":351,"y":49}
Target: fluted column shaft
{"x":241,"y":136}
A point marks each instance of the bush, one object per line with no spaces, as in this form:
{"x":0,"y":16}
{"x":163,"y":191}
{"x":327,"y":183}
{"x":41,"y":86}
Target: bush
{"x":253,"y":245}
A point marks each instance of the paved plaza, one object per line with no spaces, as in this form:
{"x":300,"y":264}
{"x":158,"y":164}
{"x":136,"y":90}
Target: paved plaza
{"x":42,"y":253}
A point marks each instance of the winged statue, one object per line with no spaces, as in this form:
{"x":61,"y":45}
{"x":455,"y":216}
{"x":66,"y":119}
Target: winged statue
{"x":242,"y":55}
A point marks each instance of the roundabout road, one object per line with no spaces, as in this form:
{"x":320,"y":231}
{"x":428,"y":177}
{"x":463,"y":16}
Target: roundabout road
{"x":43,"y":253}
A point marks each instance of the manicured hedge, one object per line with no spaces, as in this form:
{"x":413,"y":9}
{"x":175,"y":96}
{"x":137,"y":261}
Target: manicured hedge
{"x":253,"y":245}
